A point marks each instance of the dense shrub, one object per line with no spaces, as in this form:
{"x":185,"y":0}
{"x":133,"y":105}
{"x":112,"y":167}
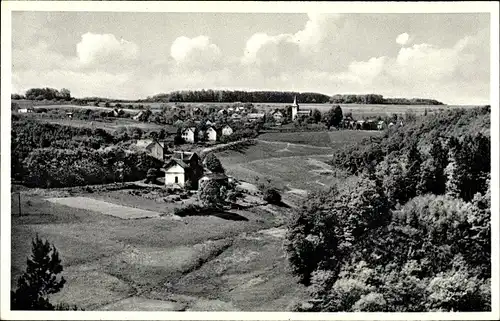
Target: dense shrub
{"x":271,"y":195}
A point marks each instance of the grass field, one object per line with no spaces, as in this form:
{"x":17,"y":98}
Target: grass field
{"x":322,"y":139}
{"x":160,"y":263}
{"x":291,"y":161}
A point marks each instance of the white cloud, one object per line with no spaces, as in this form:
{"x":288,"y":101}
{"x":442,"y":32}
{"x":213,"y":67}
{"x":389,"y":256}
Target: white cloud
{"x":290,"y":50}
{"x":195,"y":53}
{"x":105,"y":48}
{"x":403,"y":39}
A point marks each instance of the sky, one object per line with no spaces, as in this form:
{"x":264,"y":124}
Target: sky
{"x":134,"y":55}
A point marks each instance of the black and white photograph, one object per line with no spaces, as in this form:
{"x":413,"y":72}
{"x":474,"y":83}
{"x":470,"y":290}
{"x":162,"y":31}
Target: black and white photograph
{"x":261,"y":157}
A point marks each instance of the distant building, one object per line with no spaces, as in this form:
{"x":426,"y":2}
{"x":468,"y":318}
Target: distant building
{"x":236,"y":116}
{"x":189,"y":134}
{"x":296,"y":112}
{"x":208,"y":123}
{"x":153,"y":147}
{"x":255,"y":116}
{"x":138,"y":115}
{"x":181,"y":168}
{"x":278,"y":116}
{"x":212,"y":134}
{"x":26,"y":110}
{"x":381,"y":125}
{"x":69,"y":115}
{"x":227,"y":130}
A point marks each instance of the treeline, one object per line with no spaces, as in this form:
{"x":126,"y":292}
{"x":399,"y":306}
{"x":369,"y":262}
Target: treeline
{"x":410,"y":230}
{"x":231,"y":96}
{"x":50,"y":155}
{"x":44,"y":94}
{"x":379,"y":99}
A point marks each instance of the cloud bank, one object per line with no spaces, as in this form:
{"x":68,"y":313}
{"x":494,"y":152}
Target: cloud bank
{"x":316,"y":57}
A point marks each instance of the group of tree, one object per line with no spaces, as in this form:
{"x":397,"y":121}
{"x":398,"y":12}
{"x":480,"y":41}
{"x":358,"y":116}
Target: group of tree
{"x":51,"y":155}
{"x":44,"y":93}
{"x":410,"y":230}
{"x":230,"y":96}
{"x":379,"y":99}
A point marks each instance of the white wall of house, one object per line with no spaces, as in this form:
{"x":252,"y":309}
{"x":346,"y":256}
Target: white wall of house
{"x":188,"y":136}
{"x":211,"y":134}
{"x":175,"y":175}
{"x":226,"y":131}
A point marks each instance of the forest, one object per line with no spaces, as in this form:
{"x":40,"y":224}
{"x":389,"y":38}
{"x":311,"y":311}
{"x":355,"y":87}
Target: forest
{"x":230,"y":96}
{"x":409,"y":231}
{"x":379,"y":99}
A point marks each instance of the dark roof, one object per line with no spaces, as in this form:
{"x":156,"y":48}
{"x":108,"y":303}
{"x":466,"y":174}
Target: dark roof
{"x":215,"y":176}
{"x":185,"y":155}
{"x":175,"y":161}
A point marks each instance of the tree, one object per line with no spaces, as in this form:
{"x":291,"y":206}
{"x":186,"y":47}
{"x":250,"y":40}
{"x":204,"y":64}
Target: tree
{"x":212,"y":195}
{"x":212,"y":163}
{"x":333,"y":117}
{"x":40,"y":278}
{"x":106,"y":104}
{"x":151,"y":175}
{"x":316,"y":115}
{"x":272,"y":196}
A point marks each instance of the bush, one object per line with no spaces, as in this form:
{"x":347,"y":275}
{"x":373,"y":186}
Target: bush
{"x":272,"y":196}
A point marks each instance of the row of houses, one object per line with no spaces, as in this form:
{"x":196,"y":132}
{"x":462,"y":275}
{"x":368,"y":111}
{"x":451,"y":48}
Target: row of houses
{"x":370,"y":124}
{"x":211,"y":133}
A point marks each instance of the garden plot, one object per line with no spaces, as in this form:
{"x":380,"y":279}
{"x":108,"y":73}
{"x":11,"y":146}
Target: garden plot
{"x":86,"y":203}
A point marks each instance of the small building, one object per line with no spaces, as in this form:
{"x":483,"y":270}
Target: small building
{"x":236,"y":116}
{"x":69,"y":115}
{"x":208,"y":123}
{"x":220,"y":178}
{"x":183,"y":167}
{"x":381,"y":125}
{"x":138,"y":115}
{"x":255,"y":116}
{"x":26,"y":110}
{"x":189,"y":134}
{"x":212,"y":134}
{"x":278,"y":116}
{"x":153,"y":148}
{"x":227,"y":130}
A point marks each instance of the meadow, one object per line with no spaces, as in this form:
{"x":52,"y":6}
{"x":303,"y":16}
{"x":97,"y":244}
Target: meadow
{"x":293,"y":162}
{"x":157,"y":263}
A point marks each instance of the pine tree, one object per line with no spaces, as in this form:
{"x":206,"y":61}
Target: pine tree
{"x":40,"y":278}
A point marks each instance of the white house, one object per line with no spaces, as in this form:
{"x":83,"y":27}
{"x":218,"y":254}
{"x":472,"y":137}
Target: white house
{"x":212,"y":134}
{"x":227,"y":130}
{"x":255,"y":116}
{"x":183,"y":167}
{"x":189,"y":134}
{"x":278,"y":116}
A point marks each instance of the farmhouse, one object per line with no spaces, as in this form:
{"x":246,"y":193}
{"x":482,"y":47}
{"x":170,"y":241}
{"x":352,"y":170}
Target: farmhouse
{"x":227,"y":130}
{"x":212,"y":133}
{"x":278,"y":116}
{"x":26,"y":110}
{"x":236,"y":116}
{"x":153,"y":147}
{"x":255,"y":116}
{"x":138,"y":115}
{"x":183,"y":168}
{"x":296,"y":112}
{"x":189,"y":134}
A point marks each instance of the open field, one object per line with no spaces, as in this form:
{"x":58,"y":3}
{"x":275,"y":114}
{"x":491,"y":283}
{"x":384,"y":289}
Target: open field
{"x":322,"y":138}
{"x":296,"y":162}
{"x":160,"y":263}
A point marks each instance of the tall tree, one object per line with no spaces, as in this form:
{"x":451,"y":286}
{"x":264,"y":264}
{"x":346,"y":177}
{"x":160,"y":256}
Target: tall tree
{"x":40,"y":278}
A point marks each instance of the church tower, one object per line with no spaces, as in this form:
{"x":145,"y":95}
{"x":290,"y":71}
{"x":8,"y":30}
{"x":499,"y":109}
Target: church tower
{"x":295,"y":108}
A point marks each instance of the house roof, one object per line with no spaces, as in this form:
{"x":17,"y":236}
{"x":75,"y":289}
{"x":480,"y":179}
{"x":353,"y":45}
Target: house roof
{"x":255,"y":115}
{"x":183,"y":155}
{"x":193,"y":129}
{"x":174,"y":161}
